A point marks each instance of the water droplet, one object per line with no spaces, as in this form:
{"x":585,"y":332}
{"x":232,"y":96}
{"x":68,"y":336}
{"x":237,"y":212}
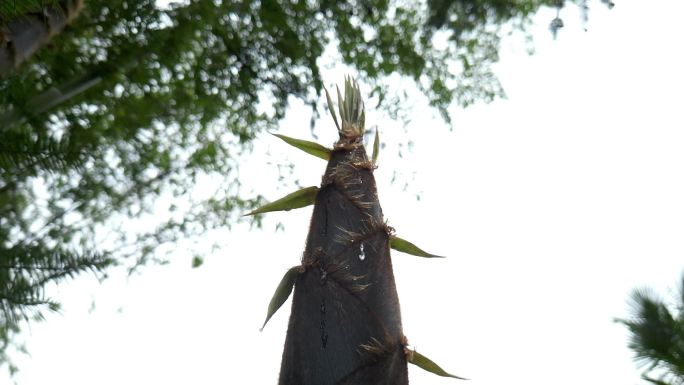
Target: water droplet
{"x":324,"y":276}
{"x":362,"y":254}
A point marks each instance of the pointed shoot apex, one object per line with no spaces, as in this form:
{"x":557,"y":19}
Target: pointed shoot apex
{"x":351,"y":108}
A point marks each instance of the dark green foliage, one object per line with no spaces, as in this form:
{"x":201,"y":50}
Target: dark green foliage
{"x":467,"y":18}
{"x":657,"y":336}
{"x":25,"y":270}
{"x":11,"y":9}
{"x":197,"y":262}
{"x":20,"y":154}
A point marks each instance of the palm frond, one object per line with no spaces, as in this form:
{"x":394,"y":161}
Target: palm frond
{"x":657,"y":336}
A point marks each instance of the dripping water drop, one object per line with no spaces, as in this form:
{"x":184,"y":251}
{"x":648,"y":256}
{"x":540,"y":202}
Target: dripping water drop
{"x":362,"y":254}
{"x":324,"y":276}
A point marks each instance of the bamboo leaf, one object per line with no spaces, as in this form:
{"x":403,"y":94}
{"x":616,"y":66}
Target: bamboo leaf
{"x":350,"y":96}
{"x":409,"y":248}
{"x":312,"y":148}
{"x":297,"y":199}
{"x":340,"y":107}
{"x":331,"y":107}
{"x":376,"y":146}
{"x":427,"y":364}
{"x":349,"y":99}
{"x":362,"y":118}
{"x":282,"y":293}
{"x":360,"y":108}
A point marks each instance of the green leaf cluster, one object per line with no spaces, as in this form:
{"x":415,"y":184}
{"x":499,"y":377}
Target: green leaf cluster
{"x":10,"y":9}
{"x":656,"y":335}
{"x":21,"y":154}
{"x":25,"y":270}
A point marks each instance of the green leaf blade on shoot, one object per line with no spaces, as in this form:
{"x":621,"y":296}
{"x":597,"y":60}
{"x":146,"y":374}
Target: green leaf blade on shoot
{"x":282,"y":292}
{"x":312,"y":148}
{"x":340,"y":107}
{"x":376,"y":146}
{"x":409,"y":248}
{"x":331,"y":107}
{"x":427,"y":364}
{"x":362,"y":120}
{"x":295,"y":200}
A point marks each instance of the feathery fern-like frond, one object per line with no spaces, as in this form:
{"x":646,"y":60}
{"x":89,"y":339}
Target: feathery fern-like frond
{"x":25,"y":270}
{"x":13,"y":9}
{"x":20,"y":153}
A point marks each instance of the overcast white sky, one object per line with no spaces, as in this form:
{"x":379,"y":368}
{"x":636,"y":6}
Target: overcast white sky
{"x":551,"y":205}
